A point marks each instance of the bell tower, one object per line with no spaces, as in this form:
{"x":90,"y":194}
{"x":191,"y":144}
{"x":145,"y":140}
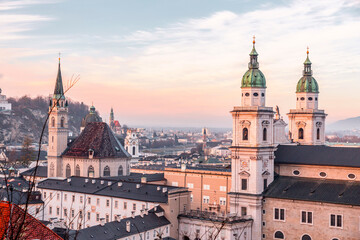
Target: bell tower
{"x":252,"y":161}
{"x":307,"y":122}
{"x":58,"y":128}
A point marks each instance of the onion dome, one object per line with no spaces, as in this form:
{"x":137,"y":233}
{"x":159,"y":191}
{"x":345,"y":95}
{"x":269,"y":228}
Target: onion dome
{"x":307,"y":83}
{"x":253,"y":77}
{"x":91,"y":117}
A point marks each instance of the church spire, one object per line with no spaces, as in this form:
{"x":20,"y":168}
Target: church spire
{"x":307,"y":65}
{"x":59,"y":90}
{"x":253,"y":57}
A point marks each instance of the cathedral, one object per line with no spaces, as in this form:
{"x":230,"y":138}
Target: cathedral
{"x":96,"y":152}
{"x":284,"y":187}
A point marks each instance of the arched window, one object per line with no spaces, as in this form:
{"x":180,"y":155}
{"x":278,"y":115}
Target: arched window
{"x":52,"y":122}
{"x":91,"y":171}
{"x":306,"y":237}
{"x":120,"y":171}
{"x":62,"y":122}
{"x":318,"y":134}
{"x":245,"y":134}
{"x":133,"y":150}
{"x":279,"y":235}
{"x":77,"y":170}
{"x":68,"y":170}
{"x":52,"y":170}
{"x":265,"y":134}
{"x":186,"y":238}
{"x":106,"y":171}
{"x":301,"y":133}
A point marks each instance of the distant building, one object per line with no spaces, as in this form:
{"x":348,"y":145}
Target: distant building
{"x":91,"y":117}
{"x":132,"y":143}
{"x":5,"y":106}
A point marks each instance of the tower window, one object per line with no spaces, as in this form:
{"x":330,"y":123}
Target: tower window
{"x":310,"y":98}
{"x":302,"y":99}
{"x":91,"y":171}
{"x":265,"y":183}
{"x":77,"y":170}
{"x":53,"y":122}
{"x":265,"y":134}
{"x":316,"y":99}
{"x":106,"y":171}
{"x":247,"y":94}
{"x":62,"y":122}
{"x":263,"y":94}
{"x":301,"y":133}
{"x":256,"y":94}
{"x":244,"y":184}
{"x":120,"y":171}
{"x":68,"y":170}
{"x":133,"y":151}
{"x":318,"y":134}
{"x":245,"y":134}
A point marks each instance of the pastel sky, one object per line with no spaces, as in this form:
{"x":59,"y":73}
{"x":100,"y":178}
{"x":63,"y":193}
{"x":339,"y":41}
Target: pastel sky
{"x":180,"y":62}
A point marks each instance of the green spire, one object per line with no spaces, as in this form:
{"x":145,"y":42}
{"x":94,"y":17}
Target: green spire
{"x":59,"y":90}
{"x":307,"y":82}
{"x":253,"y":77}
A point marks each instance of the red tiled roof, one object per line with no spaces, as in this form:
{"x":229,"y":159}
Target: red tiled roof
{"x":31,"y":229}
{"x":98,"y":137}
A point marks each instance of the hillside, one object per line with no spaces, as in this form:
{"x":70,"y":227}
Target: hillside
{"x":346,"y":124}
{"x":28,"y":115}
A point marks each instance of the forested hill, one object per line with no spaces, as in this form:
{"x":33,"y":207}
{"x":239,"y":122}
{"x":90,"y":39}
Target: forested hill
{"x":28,"y":116}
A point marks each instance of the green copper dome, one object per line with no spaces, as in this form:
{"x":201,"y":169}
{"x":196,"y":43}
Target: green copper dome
{"x":253,"y":78}
{"x":307,"y":84}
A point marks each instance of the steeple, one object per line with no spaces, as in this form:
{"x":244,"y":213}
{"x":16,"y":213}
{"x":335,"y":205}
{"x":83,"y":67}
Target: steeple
{"x":253,"y":64}
{"x":307,"y":65}
{"x":59,"y":90}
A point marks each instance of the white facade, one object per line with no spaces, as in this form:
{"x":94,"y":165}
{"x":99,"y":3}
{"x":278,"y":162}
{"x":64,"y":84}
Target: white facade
{"x":132,"y":143}
{"x":5,"y":106}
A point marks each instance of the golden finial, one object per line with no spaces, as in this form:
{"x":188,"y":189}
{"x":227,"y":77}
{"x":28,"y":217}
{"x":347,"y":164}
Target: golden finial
{"x":254,"y":39}
{"x":307,"y":52}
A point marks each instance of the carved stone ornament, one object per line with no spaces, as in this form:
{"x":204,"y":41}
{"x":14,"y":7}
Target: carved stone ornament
{"x":265,"y":165}
{"x":244,"y":174}
{"x":318,"y":124}
{"x":265,"y":173}
{"x":245,"y":165}
{"x":256,"y":157}
{"x":300,"y":124}
{"x":245,"y":123}
{"x":265,"y":123}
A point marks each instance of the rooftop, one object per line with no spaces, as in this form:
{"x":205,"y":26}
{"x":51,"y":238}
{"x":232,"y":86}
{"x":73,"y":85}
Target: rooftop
{"x":117,"y":229}
{"x":315,"y":190}
{"x":121,"y":189}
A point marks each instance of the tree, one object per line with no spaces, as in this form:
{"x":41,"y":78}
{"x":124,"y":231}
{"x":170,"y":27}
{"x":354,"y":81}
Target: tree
{"x":27,"y":153}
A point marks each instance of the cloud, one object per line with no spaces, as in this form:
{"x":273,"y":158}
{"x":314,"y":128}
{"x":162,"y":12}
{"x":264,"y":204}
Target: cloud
{"x":190,"y":71}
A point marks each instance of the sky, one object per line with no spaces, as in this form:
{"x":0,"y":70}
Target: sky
{"x":180,"y":63}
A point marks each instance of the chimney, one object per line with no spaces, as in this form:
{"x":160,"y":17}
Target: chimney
{"x":164,"y":189}
{"x":102,"y":182}
{"x":69,"y":180}
{"x":142,"y":213}
{"x":86,"y":180}
{"x":183,"y":167}
{"x":118,"y":217}
{"x":109,"y":183}
{"x":91,"y":154}
{"x":155,"y":208}
{"x":158,"y":188}
{"x":102,"y":221}
{"x":93,"y":181}
{"x":143,"y":180}
{"x":119,"y":184}
{"x":128,"y":226}
{"x":132,"y":214}
{"x":138,"y":185}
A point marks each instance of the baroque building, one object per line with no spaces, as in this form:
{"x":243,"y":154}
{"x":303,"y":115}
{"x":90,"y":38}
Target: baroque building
{"x":96,"y":152}
{"x":132,"y":143}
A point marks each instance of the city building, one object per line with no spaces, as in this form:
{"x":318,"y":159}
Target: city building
{"x":132,"y":143}
{"x":5,"y":106}
{"x":95,"y":152}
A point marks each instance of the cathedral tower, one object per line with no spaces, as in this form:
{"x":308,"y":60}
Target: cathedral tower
{"x":252,"y":163}
{"x":307,"y":122}
{"x":58,"y":128}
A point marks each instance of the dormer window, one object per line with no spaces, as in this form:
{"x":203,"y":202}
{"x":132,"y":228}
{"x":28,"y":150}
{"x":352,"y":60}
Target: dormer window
{"x":245,"y":134}
{"x":91,"y":153}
